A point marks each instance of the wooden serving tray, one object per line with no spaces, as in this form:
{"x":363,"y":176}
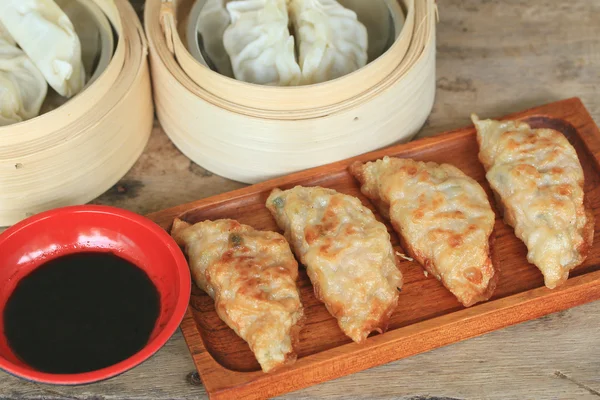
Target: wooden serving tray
{"x":428,"y":316}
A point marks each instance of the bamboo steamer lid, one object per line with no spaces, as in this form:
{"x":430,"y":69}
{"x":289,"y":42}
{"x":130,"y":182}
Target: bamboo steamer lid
{"x":78,"y":151}
{"x":250,"y":133}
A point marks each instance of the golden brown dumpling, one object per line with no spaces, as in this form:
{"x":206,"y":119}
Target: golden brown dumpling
{"x":251,"y":275}
{"x":537,"y":177}
{"x":443,"y":217}
{"x":347,"y":253}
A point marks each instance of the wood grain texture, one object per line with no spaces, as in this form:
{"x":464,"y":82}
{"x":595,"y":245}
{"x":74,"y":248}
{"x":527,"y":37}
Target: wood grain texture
{"x":427,"y":316}
{"x":493,"y":58}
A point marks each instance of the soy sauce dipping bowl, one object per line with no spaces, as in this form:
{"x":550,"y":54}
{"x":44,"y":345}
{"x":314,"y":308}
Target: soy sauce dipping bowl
{"x":46,"y":236}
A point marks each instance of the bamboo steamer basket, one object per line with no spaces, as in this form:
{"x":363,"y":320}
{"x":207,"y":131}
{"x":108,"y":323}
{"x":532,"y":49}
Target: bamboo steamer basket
{"x":251,"y":133}
{"x":76,"y":152}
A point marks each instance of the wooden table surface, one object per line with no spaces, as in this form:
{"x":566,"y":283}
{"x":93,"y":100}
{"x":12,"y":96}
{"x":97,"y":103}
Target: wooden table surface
{"x":493,"y":58}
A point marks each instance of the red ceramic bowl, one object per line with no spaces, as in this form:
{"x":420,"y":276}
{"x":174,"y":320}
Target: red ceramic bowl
{"x":55,"y":233}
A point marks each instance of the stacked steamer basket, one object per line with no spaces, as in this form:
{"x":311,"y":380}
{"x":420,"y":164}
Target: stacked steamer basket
{"x":250,"y":133}
{"x":75,"y":151}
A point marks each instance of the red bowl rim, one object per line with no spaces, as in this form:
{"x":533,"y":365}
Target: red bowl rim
{"x":154,"y":345}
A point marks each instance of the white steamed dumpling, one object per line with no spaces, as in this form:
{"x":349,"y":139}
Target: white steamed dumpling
{"x":212,"y":22}
{"x":47,"y":36}
{"x":259,"y":43}
{"x":88,"y":33}
{"x":22,"y":86}
{"x":5,"y":35}
{"x":10,"y":100}
{"x":375,"y":16}
{"x":332,"y":42}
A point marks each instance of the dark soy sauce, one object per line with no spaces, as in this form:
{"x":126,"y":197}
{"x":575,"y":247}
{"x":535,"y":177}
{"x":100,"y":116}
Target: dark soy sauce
{"x":81,"y":312}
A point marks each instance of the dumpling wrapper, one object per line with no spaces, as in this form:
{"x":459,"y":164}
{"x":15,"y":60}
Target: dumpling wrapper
{"x":538,"y":181}
{"x":47,"y":36}
{"x":251,"y":275}
{"x":88,"y":32}
{"x":22,"y":86}
{"x":6,"y":36}
{"x":331,"y":41}
{"x":375,"y":16}
{"x":347,"y":253}
{"x":443,"y":218}
{"x":259,"y":43}
{"x":212,"y":22}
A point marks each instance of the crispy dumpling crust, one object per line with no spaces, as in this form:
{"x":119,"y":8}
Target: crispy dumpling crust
{"x":443,"y":218}
{"x":538,"y":184}
{"x":347,"y":253}
{"x":252,"y":276}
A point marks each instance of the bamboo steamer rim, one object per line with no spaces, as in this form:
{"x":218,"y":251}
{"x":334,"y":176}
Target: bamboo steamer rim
{"x":293,"y":103}
{"x":42,"y":157}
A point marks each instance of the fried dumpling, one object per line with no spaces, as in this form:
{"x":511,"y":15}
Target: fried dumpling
{"x":259,"y":43}
{"x":347,"y":253}
{"x":538,"y":180}
{"x":251,"y":275}
{"x":443,"y":217}
{"x":331,"y":41}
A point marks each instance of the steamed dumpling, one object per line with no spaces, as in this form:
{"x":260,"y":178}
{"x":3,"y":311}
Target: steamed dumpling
{"x":10,"y":101}
{"x":22,"y":85}
{"x":88,"y":33}
{"x":259,"y":43}
{"x":6,"y":36}
{"x":375,"y":16}
{"x":212,"y":22}
{"x":332,"y":42}
{"x":47,"y":36}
